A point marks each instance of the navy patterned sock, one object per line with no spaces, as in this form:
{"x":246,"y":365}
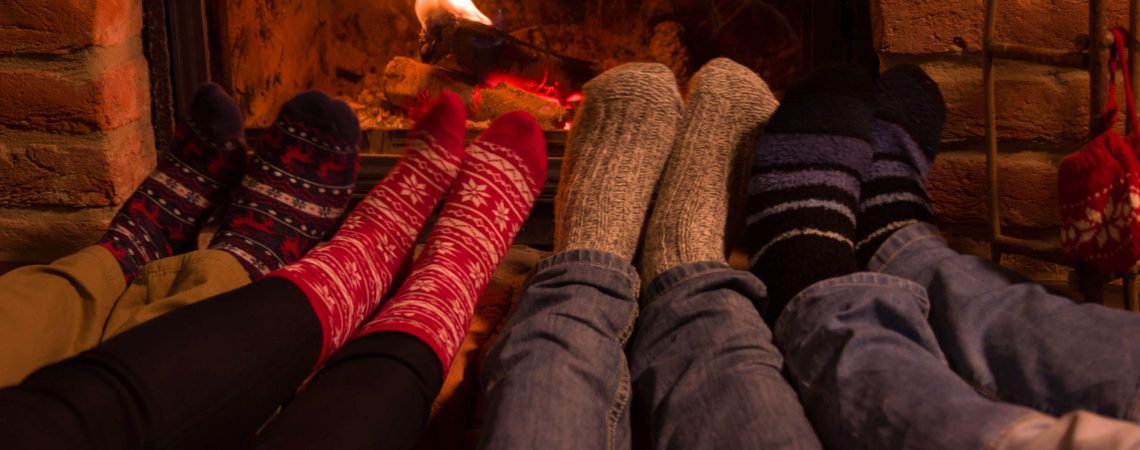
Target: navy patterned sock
{"x":804,"y":188}
{"x":296,"y":187}
{"x":163,"y":216}
{"x":907,"y":131}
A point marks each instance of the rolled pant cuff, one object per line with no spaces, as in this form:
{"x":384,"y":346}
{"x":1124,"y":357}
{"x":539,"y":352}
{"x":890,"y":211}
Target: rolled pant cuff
{"x":593,"y":258}
{"x":899,"y":242}
{"x":677,"y":275}
{"x":807,"y":297}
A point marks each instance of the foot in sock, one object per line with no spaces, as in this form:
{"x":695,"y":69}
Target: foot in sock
{"x":727,"y":106}
{"x":617,"y":149}
{"x":296,"y":186}
{"x":345,"y":278}
{"x":163,"y":216}
{"x":908,"y":128}
{"x":804,"y":187}
{"x":503,"y":173}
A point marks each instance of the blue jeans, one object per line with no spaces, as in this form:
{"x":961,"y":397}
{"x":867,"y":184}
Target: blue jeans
{"x":576,"y":367}
{"x":940,"y":350}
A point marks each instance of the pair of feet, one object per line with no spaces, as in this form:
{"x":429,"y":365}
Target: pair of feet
{"x":280,"y":203}
{"x":633,"y":137}
{"x":842,"y":166}
{"x":487,"y":190}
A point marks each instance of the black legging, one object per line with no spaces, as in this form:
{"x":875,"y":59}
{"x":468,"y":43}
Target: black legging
{"x":208,"y":375}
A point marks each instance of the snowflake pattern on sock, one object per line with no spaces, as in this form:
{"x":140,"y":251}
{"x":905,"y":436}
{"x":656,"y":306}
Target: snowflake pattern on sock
{"x":503,"y":173}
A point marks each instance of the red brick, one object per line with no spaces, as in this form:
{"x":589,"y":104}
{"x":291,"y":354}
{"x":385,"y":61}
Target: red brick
{"x":1028,"y":188}
{"x":57,"y":26}
{"x":41,"y":236}
{"x":937,"y":26}
{"x":76,"y":171}
{"x":45,"y":100}
{"x":1034,"y":103}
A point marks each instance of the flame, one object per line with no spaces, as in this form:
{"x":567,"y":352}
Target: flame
{"x":427,"y":10}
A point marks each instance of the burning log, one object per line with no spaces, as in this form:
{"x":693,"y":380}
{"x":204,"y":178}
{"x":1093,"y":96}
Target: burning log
{"x":408,"y":83}
{"x":484,"y":50}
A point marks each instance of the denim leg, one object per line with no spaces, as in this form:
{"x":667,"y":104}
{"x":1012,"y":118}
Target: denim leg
{"x":557,"y":377}
{"x":870,"y":373}
{"x":1015,"y":341}
{"x":705,"y":371}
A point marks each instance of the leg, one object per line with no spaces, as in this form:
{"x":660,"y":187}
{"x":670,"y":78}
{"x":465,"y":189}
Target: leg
{"x":705,"y":372}
{"x":402,"y":377}
{"x":871,"y":375}
{"x":202,"y":376}
{"x":207,"y":375}
{"x":171,"y":283}
{"x":53,"y":311}
{"x":1012,"y":339}
{"x":432,"y":309}
{"x":557,"y":377}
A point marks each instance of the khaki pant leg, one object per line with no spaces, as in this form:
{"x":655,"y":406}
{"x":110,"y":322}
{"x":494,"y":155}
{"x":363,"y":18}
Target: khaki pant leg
{"x":171,"y":283}
{"x":1079,"y":430}
{"x":53,"y":311}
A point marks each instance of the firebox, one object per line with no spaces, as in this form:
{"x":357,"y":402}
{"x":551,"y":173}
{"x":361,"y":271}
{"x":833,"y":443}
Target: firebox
{"x":387,"y":57}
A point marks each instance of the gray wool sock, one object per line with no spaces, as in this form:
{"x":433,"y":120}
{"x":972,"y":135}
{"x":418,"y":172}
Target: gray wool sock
{"x":728,"y":106}
{"x":614,"y":157}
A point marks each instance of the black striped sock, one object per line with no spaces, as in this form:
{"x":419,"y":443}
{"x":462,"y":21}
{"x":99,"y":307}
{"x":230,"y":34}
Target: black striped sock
{"x":804,"y":189}
{"x":907,"y":130}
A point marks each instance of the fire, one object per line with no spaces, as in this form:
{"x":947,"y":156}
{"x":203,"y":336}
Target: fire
{"x":430,"y":10}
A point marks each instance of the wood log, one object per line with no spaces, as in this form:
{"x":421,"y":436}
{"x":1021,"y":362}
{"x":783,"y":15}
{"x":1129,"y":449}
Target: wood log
{"x":409,"y":83}
{"x":484,"y":50}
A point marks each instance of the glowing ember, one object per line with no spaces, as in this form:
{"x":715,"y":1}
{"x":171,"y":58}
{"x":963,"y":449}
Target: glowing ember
{"x":430,"y":10}
{"x":540,"y":89}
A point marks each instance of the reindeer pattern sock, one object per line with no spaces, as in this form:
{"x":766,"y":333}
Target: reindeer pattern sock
{"x":804,"y":188}
{"x":345,"y":278}
{"x":503,"y":173}
{"x":905,"y":138}
{"x":163,"y":216}
{"x":296,"y":186}
{"x":727,"y":106}
{"x":617,"y":149}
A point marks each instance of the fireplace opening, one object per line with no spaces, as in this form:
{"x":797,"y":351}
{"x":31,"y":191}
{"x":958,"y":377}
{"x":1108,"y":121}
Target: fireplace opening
{"x":386,"y":60}
{"x":387,"y":56}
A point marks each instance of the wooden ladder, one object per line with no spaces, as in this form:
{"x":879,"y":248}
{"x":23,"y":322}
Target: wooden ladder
{"x":1094,"y":58}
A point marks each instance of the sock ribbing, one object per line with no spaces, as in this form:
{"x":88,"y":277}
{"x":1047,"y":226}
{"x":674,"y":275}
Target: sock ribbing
{"x":616,"y":151}
{"x":727,"y":106}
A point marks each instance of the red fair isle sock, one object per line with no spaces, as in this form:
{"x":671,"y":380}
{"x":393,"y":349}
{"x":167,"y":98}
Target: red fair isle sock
{"x":296,"y":186}
{"x":503,"y":173}
{"x":345,"y":278}
{"x":163,"y":216}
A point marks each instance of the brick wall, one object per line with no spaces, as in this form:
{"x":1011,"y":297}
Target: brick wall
{"x":1042,"y":111}
{"x":75,"y":129}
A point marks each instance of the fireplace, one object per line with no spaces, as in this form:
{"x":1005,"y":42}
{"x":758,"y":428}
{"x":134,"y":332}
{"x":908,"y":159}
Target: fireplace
{"x":95,"y":87}
{"x":500,"y":55}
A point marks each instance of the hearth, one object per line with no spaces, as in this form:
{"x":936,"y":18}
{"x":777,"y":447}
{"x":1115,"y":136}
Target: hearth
{"x":386,"y":57}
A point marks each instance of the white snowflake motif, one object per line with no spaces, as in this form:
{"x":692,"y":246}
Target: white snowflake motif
{"x":423,"y":285}
{"x":474,"y":192}
{"x":502,"y":216}
{"x":442,"y":248}
{"x":1107,"y":227}
{"x":412,"y":189}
